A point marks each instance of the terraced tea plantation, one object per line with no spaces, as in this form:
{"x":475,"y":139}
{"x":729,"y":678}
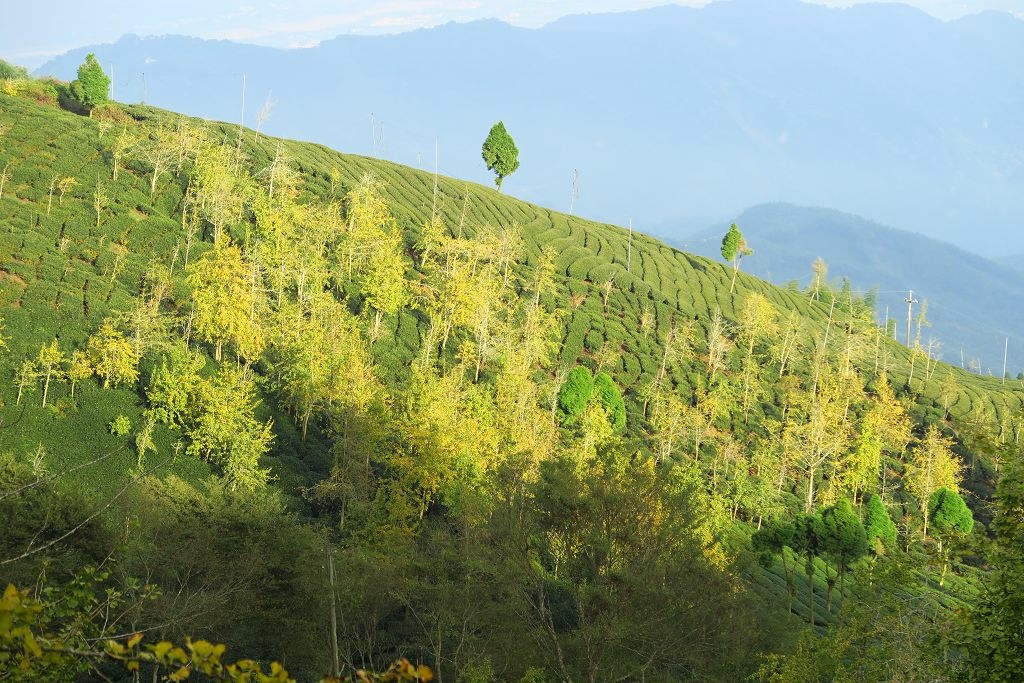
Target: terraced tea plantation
{"x":75,"y":245}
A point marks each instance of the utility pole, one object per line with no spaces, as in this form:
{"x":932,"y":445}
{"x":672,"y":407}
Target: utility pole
{"x":910,"y":304}
{"x":143,"y":87}
{"x":1006,"y":349}
{"x":574,"y":189}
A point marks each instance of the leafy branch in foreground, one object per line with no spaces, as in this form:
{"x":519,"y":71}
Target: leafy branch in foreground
{"x":30,"y":649}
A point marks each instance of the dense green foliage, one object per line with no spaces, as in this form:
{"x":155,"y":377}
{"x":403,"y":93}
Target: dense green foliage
{"x":994,"y":631}
{"x":948,"y":513}
{"x":12,"y":71}
{"x":611,"y":400}
{"x":575,"y":392}
{"x":734,"y":248}
{"x":92,"y":87}
{"x":500,"y":153}
{"x":448,"y":426}
{"x":879,"y":527}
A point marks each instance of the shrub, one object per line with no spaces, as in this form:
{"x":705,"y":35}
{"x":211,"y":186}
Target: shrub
{"x":121,"y":426}
{"x":611,"y":400}
{"x":575,"y":393}
{"x":881,"y":532}
{"x":12,"y":71}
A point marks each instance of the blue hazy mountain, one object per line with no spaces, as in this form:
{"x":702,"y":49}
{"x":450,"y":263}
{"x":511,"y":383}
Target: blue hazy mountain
{"x":972,"y":301}
{"x":674,"y":116}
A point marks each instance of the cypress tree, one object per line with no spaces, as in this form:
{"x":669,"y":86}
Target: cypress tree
{"x":500,"y":153}
{"x":92,"y":87}
{"x":948,"y":513}
{"x":611,"y":400}
{"x":879,"y":527}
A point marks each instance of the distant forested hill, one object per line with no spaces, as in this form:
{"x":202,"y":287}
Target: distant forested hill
{"x":670,"y":114}
{"x":970,"y":299}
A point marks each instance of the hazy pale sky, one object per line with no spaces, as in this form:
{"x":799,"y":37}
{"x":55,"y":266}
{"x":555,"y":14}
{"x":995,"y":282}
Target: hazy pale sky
{"x":32,"y":32}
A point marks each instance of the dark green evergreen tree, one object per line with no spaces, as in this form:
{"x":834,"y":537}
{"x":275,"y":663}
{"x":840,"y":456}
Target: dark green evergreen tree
{"x":844,"y":539}
{"x":611,"y":400}
{"x":879,"y":527}
{"x":950,"y":519}
{"x":500,"y":153}
{"x":948,"y":513}
{"x":575,"y":394}
{"x":92,"y":87}
{"x":772,"y":539}
{"x":993,"y":635}
{"x":809,"y":540}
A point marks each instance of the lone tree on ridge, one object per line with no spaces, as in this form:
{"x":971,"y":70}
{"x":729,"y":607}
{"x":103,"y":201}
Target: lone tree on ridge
{"x":500,"y":153}
{"x":92,"y":87}
{"x":734,"y":247}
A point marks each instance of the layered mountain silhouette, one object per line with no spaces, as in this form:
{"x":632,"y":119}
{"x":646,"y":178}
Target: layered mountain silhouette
{"x":672,"y":115}
{"x":972,"y":301}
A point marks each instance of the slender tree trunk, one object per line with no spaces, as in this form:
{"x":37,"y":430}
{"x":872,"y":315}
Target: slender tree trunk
{"x":790,"y":588}
{"x":3,"y":179}
{"x":842,"y":584}
{"x":810,"y":490}
{"x":945,"y":565}
{"x":334,"y":615}
{"x":46,"y":384}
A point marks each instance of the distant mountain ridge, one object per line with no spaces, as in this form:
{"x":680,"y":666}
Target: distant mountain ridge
{"x":672,"y":115}
{"x":971,"y":300}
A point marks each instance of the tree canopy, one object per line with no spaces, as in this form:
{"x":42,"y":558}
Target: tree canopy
{"x":734,"y":248}
{"x":500,"y":153}
{"x":92,"y":87}
{"x":948,"y":513}
{"x":574,"y":394}
{"x":880,"y":529}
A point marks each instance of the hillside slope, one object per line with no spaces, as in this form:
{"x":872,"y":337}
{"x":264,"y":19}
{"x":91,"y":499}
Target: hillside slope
{"x":438,"y":460}
{"x":43,"y":143}
{"x":967,"y":295}
{"x":64,"y":272}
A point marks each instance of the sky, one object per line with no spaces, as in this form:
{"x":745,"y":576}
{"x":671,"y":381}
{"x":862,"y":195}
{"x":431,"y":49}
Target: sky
{"x":33,"y":32}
